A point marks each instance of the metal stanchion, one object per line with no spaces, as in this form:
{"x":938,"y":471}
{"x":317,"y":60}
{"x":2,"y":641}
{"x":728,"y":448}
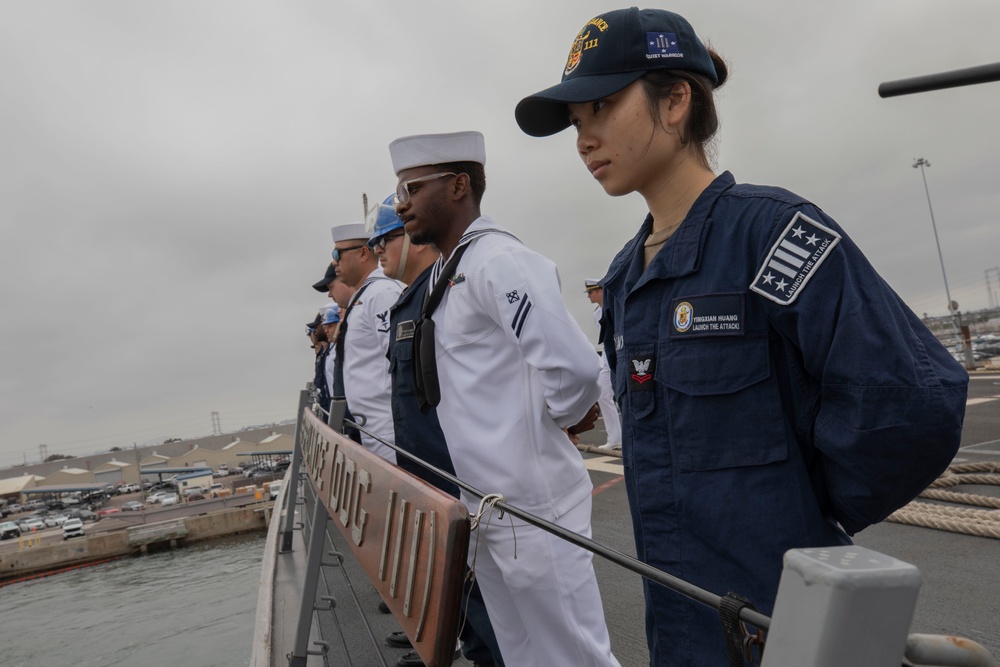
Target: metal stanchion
{"x":288,"y":525}
{"x":314,"y":560}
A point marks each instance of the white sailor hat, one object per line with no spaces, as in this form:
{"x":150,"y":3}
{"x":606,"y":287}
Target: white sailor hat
{"x":590,"y":284}
{"x":353,"y":230}
{"x":424,"y":149}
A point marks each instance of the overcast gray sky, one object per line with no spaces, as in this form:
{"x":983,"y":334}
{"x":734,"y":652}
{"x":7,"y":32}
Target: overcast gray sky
{"x":169,"y":172}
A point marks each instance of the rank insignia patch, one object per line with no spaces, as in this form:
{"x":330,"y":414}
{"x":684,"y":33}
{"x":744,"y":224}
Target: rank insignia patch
{"x":641,"y":373}
{"x":522,"y":312}
{"x":793,"y":259}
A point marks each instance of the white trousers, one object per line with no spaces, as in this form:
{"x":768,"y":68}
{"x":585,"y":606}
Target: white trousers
{"x":609,"y":409}
{"x":544,"y":605}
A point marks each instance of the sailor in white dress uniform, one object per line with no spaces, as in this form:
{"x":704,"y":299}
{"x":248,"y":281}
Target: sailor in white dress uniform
{"x":514,"y":371}
{"x":364,"y":335}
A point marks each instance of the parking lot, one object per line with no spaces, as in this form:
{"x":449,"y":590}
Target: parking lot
{"x":113,"y":513}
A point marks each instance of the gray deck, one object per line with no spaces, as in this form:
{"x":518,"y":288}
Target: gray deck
{"x":961,"y":573}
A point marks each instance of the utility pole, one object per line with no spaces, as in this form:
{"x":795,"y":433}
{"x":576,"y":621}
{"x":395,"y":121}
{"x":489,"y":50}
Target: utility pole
{"x":994,"y":296}
{"x":952,"y":306}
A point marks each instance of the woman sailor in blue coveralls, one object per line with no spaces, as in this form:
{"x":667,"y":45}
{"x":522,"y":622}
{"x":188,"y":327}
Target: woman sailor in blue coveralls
{"x":775,"y":392}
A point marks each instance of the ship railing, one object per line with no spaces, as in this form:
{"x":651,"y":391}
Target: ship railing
{"x":859,"y":602}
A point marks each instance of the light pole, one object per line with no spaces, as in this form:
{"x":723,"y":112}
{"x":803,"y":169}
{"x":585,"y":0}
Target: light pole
{"x":921,"y":163}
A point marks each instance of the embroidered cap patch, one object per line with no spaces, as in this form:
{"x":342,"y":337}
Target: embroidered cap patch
{"x":662,"y":45}
{"x":793,"y":259}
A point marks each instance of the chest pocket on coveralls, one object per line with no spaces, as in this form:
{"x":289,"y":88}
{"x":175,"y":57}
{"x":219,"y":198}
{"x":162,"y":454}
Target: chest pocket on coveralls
{"x":634,"y":375}
{"x":724,"y":410}
{"x":402,"y":358}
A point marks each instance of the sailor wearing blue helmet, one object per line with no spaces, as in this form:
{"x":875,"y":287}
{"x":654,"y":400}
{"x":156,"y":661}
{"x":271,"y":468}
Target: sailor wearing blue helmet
{"x":330,"y":321}
{"x":417,"y":431}
{"x":384,"y":225}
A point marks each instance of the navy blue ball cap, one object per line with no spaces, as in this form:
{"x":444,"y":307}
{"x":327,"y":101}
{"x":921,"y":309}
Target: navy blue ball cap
{"x":612,"y":51}
{"x":324,"y":284}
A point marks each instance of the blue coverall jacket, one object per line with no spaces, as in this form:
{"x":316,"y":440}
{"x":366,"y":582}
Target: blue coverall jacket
{"x":415,"y":432}
{"x":775,"y":393}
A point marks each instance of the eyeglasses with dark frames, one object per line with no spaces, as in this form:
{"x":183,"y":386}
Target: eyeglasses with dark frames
{"x":384,"y":241}
{"x":337,"y":252}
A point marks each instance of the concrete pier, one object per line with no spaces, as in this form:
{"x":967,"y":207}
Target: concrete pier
{"x":129,"y":540}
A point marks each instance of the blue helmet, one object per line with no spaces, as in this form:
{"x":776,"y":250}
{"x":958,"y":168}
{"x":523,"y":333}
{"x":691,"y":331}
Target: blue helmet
{"x":381,"y":220}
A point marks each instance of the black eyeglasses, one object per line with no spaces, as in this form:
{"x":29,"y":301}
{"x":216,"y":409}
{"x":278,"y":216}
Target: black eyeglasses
{"x":337,"y":252}
{"x":384,"y":241}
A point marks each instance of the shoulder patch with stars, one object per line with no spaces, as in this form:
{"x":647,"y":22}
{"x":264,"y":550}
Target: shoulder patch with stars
{"x":793,"y":259}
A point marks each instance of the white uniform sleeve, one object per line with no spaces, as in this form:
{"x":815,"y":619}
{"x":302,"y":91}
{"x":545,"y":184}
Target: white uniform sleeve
{"x":520,"y":290}
{"x":383,"y":295}
{"x":331,"y":360}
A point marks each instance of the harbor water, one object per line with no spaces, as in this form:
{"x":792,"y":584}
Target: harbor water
{"x":190,"y":606}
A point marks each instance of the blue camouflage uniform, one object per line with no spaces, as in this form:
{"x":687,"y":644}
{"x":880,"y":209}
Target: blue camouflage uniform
{"x":775,"y":393}
{"x":421,"y":434}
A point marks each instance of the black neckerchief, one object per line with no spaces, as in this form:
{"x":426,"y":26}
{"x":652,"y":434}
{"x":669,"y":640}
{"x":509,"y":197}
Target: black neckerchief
{"x":425,"y":375}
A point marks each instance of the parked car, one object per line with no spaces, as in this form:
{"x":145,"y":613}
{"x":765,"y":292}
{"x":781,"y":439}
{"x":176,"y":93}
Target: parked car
{"x":108,"y":510}
{"x":132,"y":506}
{"x":15,"y":508}
{"x":274,"y":488}
{"x":72,"y":528}
{"x":170,"y":499}
{"x":192,"y":490}
{"x":31,"y":524}
{"x":9,"y":529}
{"x":82,"y":514}
{"x":219,"y":472}
{"x":54,"y":520}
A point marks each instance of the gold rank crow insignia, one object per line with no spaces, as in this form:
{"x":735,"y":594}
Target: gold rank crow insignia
{"x":793,"y":259}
